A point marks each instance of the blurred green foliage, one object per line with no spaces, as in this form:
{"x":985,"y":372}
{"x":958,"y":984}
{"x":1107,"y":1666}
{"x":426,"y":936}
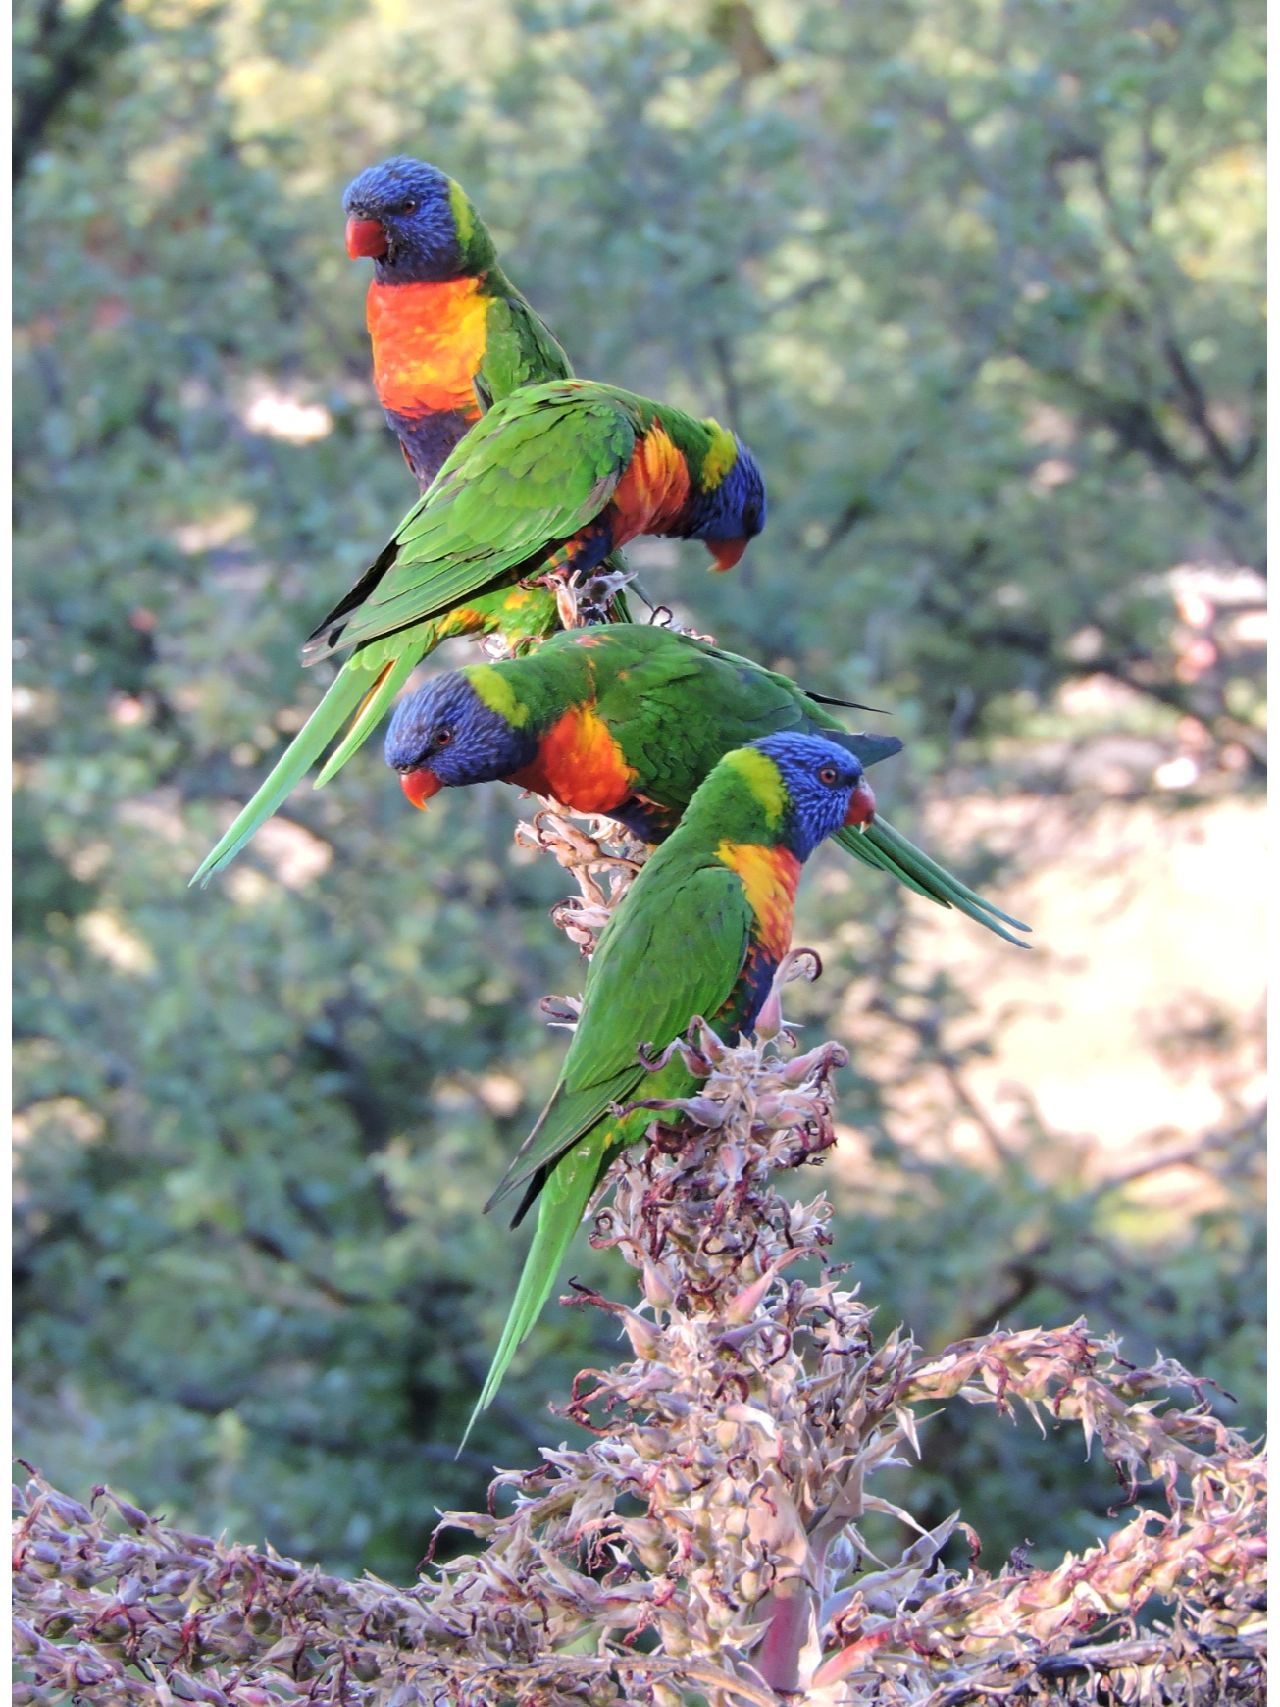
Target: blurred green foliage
{"x":979,"y":282}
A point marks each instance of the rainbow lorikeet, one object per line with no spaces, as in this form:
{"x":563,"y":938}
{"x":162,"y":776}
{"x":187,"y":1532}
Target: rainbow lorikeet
{"x":627,"y":720}
{"x":543,"y":487}
{"x":451,"y":334}
{"x":700,"y":933}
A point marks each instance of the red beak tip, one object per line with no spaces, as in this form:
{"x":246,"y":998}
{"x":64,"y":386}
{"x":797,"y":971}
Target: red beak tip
{"x":419,"y":786}
{"x":726,"y":552}
{"x":862,"y":804}
{"x":365,"y":237}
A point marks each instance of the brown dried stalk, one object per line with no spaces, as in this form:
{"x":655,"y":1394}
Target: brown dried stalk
{"x":707,"y":1544}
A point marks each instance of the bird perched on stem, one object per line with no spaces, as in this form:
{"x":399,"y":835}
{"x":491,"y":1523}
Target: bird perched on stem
{"x":523,"y":513}
{"x":700,"y":934}
{"x":451,"y":334}
{"x":542,"y":489}
{"x":626,"y":721}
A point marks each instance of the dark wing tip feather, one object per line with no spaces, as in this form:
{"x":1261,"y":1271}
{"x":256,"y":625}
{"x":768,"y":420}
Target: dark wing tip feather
{"x":846,"y":704}
{"x":532,"y":1192}
{"x":323,"y":643}
{"x":867,"y":749}
{"x":327,"y":634}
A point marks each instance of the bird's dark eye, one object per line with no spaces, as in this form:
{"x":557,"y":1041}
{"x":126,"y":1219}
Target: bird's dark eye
{"x":443,"y":736}
{"x":829,"y":776}
{"x":408,"y":205}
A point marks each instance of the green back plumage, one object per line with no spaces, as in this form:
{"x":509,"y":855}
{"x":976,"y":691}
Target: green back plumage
{"x":540,"y":465}
{"x":520,"y":348}
{"x":688,"y":910}
{"x":674,"y":704}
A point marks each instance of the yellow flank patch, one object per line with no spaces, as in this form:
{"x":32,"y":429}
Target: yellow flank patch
{"x":763,"y":778}
{"x":497,"y":693}
{"x":653,"y":490}
{"x":769,"y":877}
{"x":463,"y":217}
{"x":721,"y":455}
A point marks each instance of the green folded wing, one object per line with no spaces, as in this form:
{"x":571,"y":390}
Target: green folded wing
{"x":540,"y":465}
{"x":520,"y":349}
{"x":674,"y":949}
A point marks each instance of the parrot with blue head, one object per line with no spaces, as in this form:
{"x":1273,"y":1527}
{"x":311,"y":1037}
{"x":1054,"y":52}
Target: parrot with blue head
{"x":626,"y":721}
{"x":700,"y":934}
{"x":450,"y":333}
{"x":532,"y":500}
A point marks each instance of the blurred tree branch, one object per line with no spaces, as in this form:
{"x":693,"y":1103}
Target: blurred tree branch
{"x":68,"y":50}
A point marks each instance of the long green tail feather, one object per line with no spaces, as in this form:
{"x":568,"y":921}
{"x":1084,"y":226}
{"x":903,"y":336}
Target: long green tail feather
{"x":882,"y":846}
{"x":560,"y":1210}
{"x":341,"y":702}
{"x":893,"y":841}
{"x":372,"y":711}
{"x":857,"y":844}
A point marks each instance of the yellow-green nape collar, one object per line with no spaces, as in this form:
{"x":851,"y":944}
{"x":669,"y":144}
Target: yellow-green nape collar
{"x":497,"y":693}
{"x":722,"y":453}
{"x":764,"y":779}
{"x":464,"y":216}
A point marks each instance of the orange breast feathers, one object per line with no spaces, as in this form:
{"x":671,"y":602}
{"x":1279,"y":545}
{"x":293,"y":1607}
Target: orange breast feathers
{"x":579,"y":763}
{"x":769,"y":877}
{"x":428,"y":341}
{"x":653,"y":491}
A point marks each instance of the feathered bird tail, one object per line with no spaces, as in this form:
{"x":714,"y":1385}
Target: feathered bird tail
{"x":342,"y":702}
{"x":561,"y":1207}
{"x":374,"y":708}
{"x":882,"y":846}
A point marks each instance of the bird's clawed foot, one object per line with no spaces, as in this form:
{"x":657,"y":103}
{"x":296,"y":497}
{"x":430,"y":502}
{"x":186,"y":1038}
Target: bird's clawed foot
{"x":800,"y":963}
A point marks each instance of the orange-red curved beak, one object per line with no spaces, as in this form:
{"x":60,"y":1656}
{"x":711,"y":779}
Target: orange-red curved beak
{"x":365,"y":237}
{"x":726,"y":552}
{"x":419,"y":786}
{"x":862,"y":803}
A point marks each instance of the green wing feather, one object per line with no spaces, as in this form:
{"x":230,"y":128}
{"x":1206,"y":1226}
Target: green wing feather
{"x":540,"y":465}
{"x":697,"y":919}
{"x":339,"y":705}
{"x":631,"y":999}
{"x":520,"y":349}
